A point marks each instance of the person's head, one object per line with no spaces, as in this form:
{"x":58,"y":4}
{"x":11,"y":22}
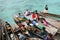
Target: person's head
{"x":29,"y":20}
{"x":44,"y":28}
{"x":6,"y":22}
{"x":23,"y":25}
{"x":17,"y":22}
{"x":27,"y":10}
{"x":49,"y":35}
{"x":19,"y":13}
{"x":33,"y":12}
{"x":36,"y":11}
{"x":46,"y":5}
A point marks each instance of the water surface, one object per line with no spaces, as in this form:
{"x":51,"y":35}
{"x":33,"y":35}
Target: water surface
{"x":10,"y":7}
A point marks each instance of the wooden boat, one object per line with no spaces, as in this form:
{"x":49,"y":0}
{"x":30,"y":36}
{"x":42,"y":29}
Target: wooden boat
{"x":31,"y":30}
{"x":53,"y":25}
{"x":10,"y":32}
{"x":51,"y":21}
{"x":2,"y":31}
{"x":16,"y":19}
{"x":51,"y":18}
{"x":47,"y":28}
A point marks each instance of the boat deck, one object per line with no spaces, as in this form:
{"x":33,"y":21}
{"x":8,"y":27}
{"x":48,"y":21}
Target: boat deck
{"x":53,"y":22}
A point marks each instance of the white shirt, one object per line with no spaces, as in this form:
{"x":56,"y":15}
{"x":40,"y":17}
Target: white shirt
{"x":45,"y":11}
{"x":16,"y":15}
{"x":24,"y":23}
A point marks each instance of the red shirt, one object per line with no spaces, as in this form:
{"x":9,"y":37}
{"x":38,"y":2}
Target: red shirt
{"x":33,"y":16}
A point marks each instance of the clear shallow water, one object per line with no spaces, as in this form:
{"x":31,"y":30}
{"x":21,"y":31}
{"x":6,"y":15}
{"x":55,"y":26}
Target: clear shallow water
{"x":10,"y":7}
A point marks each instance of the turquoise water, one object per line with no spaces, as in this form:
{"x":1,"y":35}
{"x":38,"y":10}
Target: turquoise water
{"x":10,"y":7}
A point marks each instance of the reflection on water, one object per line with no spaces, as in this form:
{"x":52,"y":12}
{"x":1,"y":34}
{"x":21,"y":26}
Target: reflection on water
{"x":10,"y":7}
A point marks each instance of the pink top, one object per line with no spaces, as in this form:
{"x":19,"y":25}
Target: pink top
{"x":44,"y":22}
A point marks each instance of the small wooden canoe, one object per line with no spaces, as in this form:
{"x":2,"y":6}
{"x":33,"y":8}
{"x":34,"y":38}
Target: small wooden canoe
{"x":10,"y":32}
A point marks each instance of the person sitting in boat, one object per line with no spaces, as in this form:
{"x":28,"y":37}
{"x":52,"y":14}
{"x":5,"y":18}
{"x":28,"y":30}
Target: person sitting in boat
{"x":43,"y":32}
{"x":27,"y":12}
{"x":48,"y":37}
{"x":33,"y":16}
{"x":16,"y":29}
{"x":35,"y":23}
{"x":24,"y":23}
{"x":23,"y":29}
{"x":46,"y":9}
{"x":36,"y":11}
{"x":20,"y":15}
{"x":20,"y":36}
{"x":43,"y":21}
{"x":20,"y":24}
{"x":7,"y":24}
{"x":18,"y":32}
{"x":29,"y":23}
{"x":37,"y":15}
